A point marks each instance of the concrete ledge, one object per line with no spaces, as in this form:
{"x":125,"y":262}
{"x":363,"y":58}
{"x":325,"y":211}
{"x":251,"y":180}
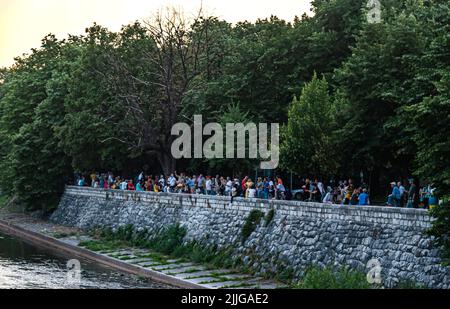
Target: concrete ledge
{"x":257,"y":203}
{"x":415,"y":218}
{"x":55,"y":244}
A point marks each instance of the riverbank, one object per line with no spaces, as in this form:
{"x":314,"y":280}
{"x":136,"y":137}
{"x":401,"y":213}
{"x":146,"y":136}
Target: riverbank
{"x":136,"y":261}
{"x":27,"y":266}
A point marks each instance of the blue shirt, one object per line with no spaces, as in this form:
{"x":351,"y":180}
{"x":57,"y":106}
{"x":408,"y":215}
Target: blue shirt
{"x":266,"y":186}
{"x":363,"y":199}
{"x":433,"y":200}
{"x":191,"y":183}
{"x":396,"y":192}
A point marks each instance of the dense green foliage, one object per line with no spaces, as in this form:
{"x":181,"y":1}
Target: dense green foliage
{"x":441,"y":228}
{"x":3,"y":200}
{"x":311,"y":122}
{"x":32,"y":106}
{"x":233,"y":114}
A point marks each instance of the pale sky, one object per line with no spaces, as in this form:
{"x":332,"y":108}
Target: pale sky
{"x":23,"y":23}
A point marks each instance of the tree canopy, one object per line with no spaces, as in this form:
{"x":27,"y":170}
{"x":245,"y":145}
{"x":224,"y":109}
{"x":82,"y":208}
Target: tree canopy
{"x":352,"y":96}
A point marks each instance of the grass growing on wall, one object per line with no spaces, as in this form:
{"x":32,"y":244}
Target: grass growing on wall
{"x":329,"y":278}
{"x":269,"y":217}
{"x":343,"y":278}
{"x":251,"y":222}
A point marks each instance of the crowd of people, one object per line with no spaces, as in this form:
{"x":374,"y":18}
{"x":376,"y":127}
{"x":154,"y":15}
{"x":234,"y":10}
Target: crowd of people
{"x":411,"y":195}
{"x":341,"y":193}
{"x":263,"y":187}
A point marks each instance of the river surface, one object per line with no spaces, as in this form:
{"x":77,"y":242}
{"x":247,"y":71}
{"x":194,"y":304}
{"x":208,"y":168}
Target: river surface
{"x":25,"y":266}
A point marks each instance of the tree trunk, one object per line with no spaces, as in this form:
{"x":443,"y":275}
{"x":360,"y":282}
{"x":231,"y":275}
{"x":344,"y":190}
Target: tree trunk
{"x":375,"y":184}
{"x":167,"y":162}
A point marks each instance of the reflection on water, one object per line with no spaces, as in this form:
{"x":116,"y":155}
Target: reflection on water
{"x":24,"y":266}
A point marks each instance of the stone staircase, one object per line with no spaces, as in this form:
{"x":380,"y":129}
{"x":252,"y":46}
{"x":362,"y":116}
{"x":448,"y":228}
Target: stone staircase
{"x":207,"y":277}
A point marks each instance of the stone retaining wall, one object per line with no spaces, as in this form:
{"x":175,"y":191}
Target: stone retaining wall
{"x":300,"y":234}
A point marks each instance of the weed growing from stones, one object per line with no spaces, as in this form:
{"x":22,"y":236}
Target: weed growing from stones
{"x":330,"y":278}
{"x":269,"y":217}
{"x":251,"y":222}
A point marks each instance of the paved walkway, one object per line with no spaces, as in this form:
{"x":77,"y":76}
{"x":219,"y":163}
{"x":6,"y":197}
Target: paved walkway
{"x":191,"y":272}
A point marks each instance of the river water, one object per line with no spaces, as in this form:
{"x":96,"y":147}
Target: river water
{"x":25,"y":266}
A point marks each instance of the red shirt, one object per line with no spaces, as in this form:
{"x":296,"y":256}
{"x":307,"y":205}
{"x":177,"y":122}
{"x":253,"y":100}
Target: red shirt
{"x":243,"y":184}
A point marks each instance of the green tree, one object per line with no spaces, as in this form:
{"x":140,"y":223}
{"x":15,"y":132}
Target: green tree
{"x":234,"y":115}
{"x":307,"y":139}
{"x":33,"y":167}
{"x":379,"y":79}
{"x":94,"y":124}
{"x":427,"y":122}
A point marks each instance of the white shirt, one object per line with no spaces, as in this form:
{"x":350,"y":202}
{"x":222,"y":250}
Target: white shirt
{"x":328,"y":199}
{"x":251,"y":193}
{"x":233,"y":191}
{"x":124,"y":185}
{"x":229,"y":185}
{"x":321,"y":188}
{"x":281,"y":188}
{"x":208,"y":185}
